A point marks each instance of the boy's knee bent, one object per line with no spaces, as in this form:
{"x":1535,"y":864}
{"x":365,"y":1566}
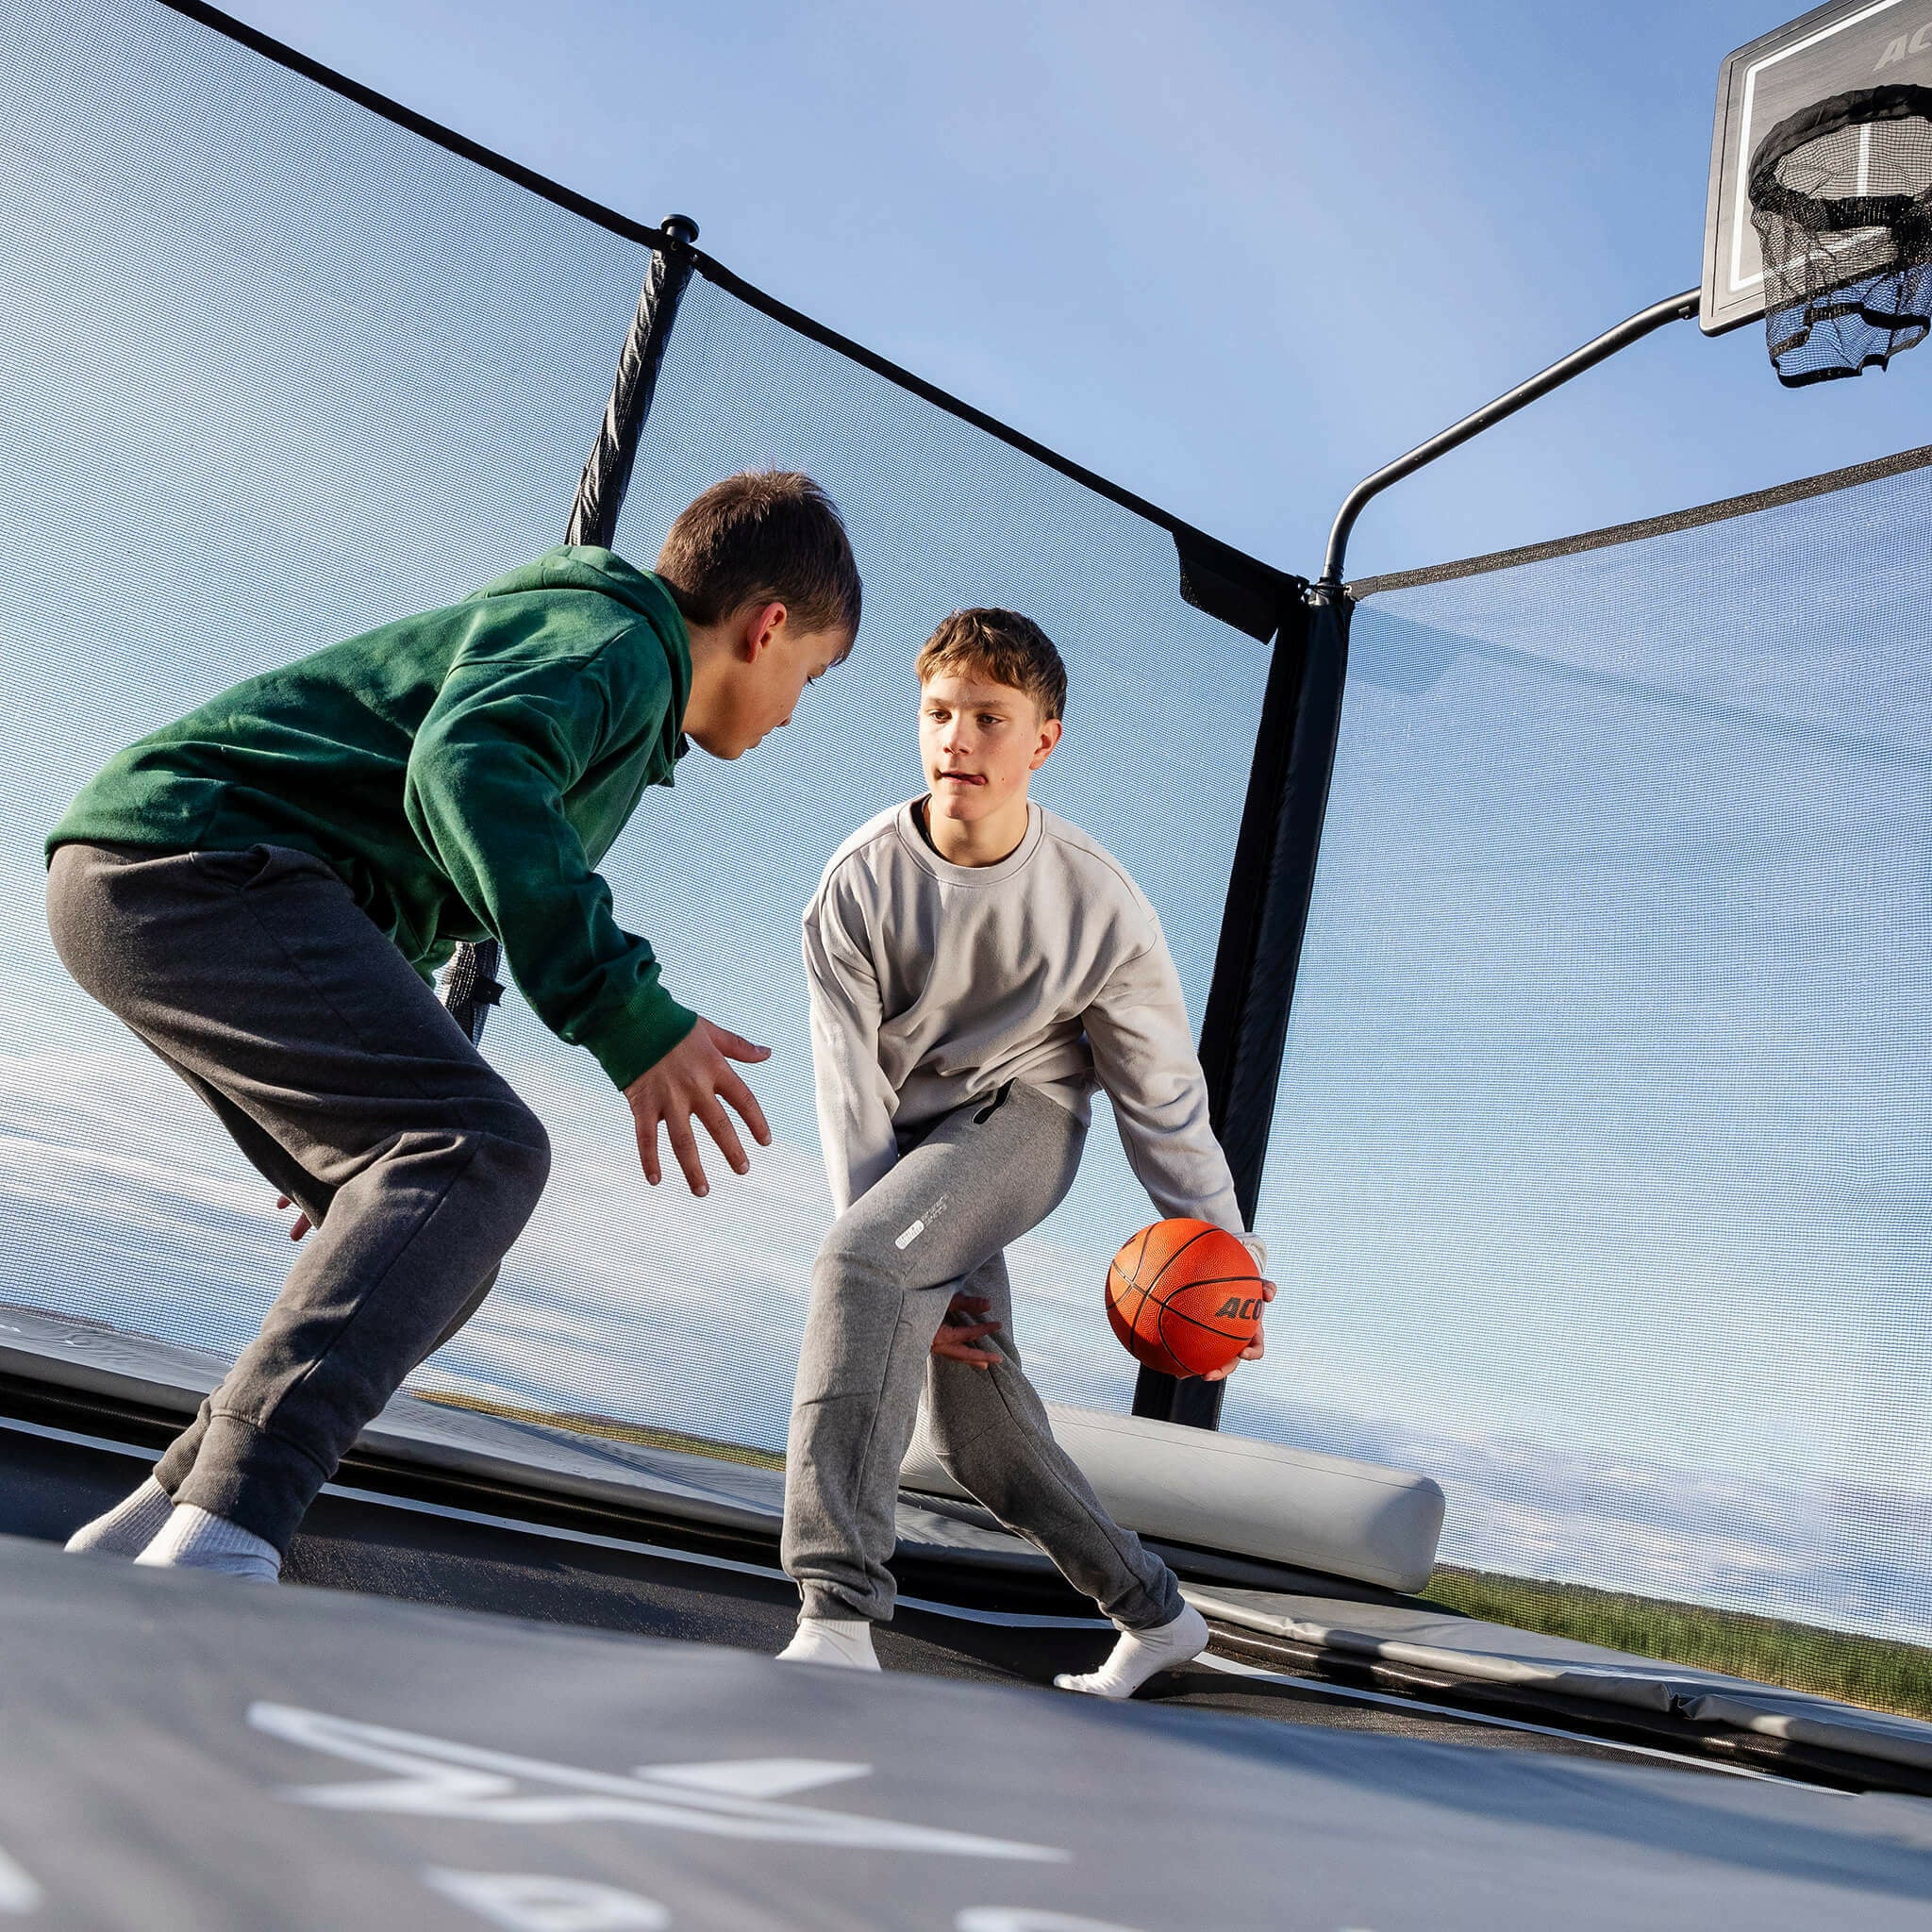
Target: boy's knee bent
{"x":513,"y":1155}
{"x":78,"y":920}
{"x":856,"y":1254}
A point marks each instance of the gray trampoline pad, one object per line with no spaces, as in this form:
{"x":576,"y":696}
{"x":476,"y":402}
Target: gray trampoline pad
{"x":181,"y":1751}
{"x":1494,"y":1653}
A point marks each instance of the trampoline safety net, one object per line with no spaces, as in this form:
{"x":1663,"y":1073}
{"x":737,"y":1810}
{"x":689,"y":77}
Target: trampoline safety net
{"x":1602,"y":1147}
{"x":278,"y":370}
{"x":1598,"y":1178}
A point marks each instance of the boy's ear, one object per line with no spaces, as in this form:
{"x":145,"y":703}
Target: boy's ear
{"x":760,"y":626}
{"x":1050,"y":733}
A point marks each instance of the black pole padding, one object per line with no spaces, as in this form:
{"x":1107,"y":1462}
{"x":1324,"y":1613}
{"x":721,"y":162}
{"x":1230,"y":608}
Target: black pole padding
{"x":1244,"y":1030}
{"x":607,"y":468}
{"x":470,"y":987}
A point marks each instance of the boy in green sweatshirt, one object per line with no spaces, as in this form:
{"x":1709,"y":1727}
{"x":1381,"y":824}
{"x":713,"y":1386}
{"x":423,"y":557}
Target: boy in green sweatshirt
{"x":263,"y":891}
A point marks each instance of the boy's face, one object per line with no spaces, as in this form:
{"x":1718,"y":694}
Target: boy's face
{"x":766,"y":668}
{"x":980,"y":743}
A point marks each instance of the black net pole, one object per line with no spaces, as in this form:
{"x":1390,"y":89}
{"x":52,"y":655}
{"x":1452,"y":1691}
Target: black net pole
{"x":470,"y":986}
{"x":1244,"y":1030}
{"x":607,"y":468}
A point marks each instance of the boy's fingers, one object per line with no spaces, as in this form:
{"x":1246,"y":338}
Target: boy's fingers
{"x":647,"y":1150}
{"x":717,"y":1124}
{"x":740,"y":1096}
{"x":684,"y":1148}
{"x":736,"y":1046}
{"x":951,"y":1345}
{"x":1267,"y":1291}
{"x":970,"y":1331}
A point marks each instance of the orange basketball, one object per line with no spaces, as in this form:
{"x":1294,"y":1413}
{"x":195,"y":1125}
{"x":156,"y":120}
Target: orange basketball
{"x":1183,"y":1298}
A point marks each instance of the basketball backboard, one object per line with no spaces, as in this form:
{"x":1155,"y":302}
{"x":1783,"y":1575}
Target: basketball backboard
{"x":1832,"y":50}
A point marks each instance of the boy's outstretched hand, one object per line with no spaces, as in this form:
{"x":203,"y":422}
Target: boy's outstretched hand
{"x":694,"y":1079}
{"x":1253,"y":1352}
{"x":965,"y":1333}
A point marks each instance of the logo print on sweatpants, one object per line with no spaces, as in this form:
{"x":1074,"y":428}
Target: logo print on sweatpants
{"x":920,"y":1226}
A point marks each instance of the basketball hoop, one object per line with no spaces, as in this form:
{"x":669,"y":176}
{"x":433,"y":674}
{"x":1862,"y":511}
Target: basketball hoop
{"x":1841,"y":199}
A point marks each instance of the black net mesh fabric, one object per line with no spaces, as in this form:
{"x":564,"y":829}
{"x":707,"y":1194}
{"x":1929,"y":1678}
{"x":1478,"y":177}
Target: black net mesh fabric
{"x":1602,"y":1157}
{"x":277,"y":370}
{"x":1841,"y":199}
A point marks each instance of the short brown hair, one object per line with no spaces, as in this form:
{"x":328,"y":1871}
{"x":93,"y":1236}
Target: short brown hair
{"x":764,"y":535}
{"x":1001,"y":645}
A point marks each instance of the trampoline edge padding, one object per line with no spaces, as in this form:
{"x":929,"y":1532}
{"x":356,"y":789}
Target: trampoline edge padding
{"x":1467,"y":1648}
{"x":70,"y":1352}
{"x":1237,"y":1495}
{"x":1224,"y":1493}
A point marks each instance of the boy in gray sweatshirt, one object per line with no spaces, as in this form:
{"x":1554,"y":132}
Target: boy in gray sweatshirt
{"x":977,"y":966}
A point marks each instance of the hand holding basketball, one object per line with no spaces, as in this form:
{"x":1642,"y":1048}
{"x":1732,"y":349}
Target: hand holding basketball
{"x":1255,"y":1349}
{"x":1184,"y":1297}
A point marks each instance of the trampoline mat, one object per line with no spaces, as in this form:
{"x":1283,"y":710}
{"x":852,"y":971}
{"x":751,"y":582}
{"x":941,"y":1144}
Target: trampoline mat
{"x":239,"y":1757}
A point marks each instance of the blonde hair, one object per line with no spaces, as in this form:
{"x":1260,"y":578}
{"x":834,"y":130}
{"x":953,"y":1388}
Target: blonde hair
{"x":1004,"y":647}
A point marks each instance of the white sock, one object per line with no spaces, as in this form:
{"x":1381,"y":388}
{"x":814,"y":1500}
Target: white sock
{"x":193,"y":1539}
{"x":1140,"y":1654}
{"x":128,"y":1527}
{"x":844,"y":1643}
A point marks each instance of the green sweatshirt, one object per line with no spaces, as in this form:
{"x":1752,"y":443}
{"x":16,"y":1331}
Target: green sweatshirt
{"x":463,"y":773}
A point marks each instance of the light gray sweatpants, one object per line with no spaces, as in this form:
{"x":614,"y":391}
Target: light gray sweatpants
{"x":338,"y":1073}
{"x":937,"y":1222}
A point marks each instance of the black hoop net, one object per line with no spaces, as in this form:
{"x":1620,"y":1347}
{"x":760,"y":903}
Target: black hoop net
{"x":1841,"y":199}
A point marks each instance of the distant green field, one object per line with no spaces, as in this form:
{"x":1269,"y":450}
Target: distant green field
{"x":1874,"y":1672}
{"x":603,"y":1426}
{"x":1870,"y":1671}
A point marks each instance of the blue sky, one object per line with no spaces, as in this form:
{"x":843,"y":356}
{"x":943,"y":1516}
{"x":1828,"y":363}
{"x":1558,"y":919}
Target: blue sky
{"x":1234,"y":256}
{"x":1550,"y":1232}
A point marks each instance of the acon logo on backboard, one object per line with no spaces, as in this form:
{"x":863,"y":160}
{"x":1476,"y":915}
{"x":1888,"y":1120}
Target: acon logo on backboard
{"x":1918,"y":41}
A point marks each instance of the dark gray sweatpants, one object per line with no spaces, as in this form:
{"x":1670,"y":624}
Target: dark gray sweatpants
{"x":937,"y":1222}
{"x":341,"y":1077}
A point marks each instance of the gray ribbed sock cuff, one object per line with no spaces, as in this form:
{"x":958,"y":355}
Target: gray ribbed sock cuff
{"x":193,"y":1539}
{"x":127,"y":1528}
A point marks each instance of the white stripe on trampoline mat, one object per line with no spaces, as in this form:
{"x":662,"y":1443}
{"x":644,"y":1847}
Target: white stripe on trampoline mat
{"x":1012,"y":1620}
{"x":1007,"y":1620}
{"x":18,"y":1891}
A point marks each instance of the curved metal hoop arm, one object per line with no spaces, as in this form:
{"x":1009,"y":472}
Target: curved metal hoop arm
{"x":1677,"y":308}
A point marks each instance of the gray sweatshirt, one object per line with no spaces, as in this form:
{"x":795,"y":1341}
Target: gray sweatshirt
{"x":933,"y":985}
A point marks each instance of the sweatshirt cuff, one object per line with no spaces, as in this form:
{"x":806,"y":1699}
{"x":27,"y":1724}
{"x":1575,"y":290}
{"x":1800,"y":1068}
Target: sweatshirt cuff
{"x":1258,"y":1248}
{"x":636,"y":1040}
